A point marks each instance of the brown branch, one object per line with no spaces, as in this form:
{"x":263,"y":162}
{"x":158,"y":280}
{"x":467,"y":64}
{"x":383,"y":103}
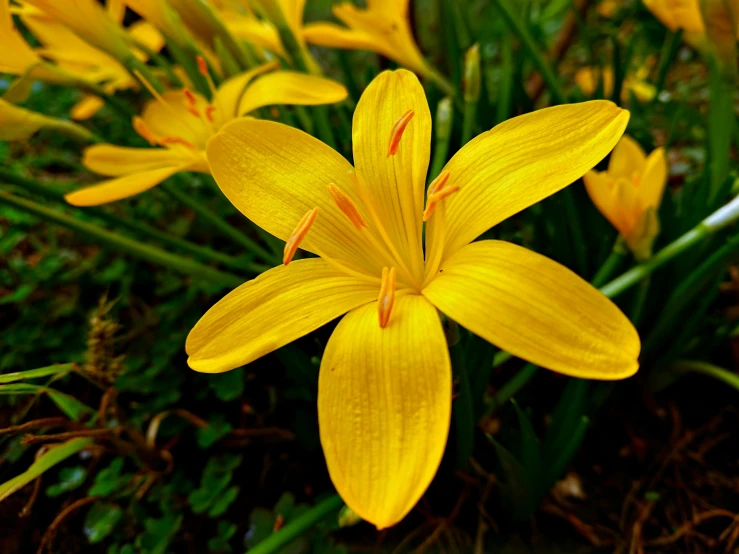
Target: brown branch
{"x":44,"y":422}
{"x":51,"y":530}
{"x":35,"y":439}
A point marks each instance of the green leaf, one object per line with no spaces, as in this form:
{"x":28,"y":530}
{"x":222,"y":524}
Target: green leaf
{"x":530,"y":450}
{"x":519,"y":495}
{"x":217,"y":428}
{"x":221,"y":504}
{"x":45,"y":462}
{"x":60,"y":369}
{"x":72,"y":408}
{"x":159,"y":533}
{"x":70,"y":478}
{"x":565,"y":419}
{"x":101,"y":520}
{"x":229,"y":385}
{"x":110,"y":479}
{"x":559,"y":463}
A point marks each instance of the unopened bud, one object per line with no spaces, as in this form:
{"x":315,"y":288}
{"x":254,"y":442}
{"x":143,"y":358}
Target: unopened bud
{"x":472,"y":74}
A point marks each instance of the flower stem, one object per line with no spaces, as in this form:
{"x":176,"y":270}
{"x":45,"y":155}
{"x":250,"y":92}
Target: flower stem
{"x":518,"y":27}
{"x":514,"y":385}
{"x":618,"y":252}
{"x":669,"y":49}
{"x":125,"y":244}
{"x":298,"y":526}
{"x":75,"y":131}
{"x":443,"y":124}
{"x":217,"y":221}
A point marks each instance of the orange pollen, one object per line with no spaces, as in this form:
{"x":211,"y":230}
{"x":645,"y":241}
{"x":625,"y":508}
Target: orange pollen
{"x":202,"y":66}
{"x":438,"y":183}
{"x":346,"y":205}
{"x":386,"y":299}
{"x":397,"y":132}
{"x":191,"y":102}
{"x":297,"y":236}
{"x":437,"y":197}
{"x":168,"y":141}
{"x":209,"y":113}
{"x":139,"y":125}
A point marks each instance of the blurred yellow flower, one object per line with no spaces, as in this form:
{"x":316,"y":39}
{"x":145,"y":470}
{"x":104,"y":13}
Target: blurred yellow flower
{"x":588,"y":79}
{"x":385,"y":384}
{"x":688,"y":16}
{"x":181,"y":122}
{"x":90,"y":21}
{"x":382,"y":27}
{"x":18,"y":123}
{"x":629,"y":193}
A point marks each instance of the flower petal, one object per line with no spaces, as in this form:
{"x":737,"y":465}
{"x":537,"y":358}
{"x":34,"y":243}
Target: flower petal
{"x":275,"y":174}
{"x":524,"y":160}
{"x":112,"y":161}
{"x":228,"y":95}
{"x":121,"y":187}
{"x":602,"y":191}
{"x":396,"y":181}
{"x":384,"y":404}
{"x":654,"y":179}
{"x":88,"y":106}
{"x":336,"y":36}
{"x":170,"y":118}
{"x":268,"y":312}
{"x":289,"y":87}
{"x":627,"y":159}
{"x":536,"y":309}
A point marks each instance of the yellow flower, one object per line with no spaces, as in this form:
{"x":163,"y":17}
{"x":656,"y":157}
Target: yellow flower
{"x":629,"y":193}
{"x":382,"y":27}
{"x":243,"y":24}
{"x":588,"y":79}
{"x":88,"y":20}
{"x":181,"y":122}
{"x":687,"y":15}
{"x":18,"y":123}
{"x":76,"y":57}
{"x":385,"y":383}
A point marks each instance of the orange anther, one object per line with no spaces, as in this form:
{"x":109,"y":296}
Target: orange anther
{"x":140,"y":126}
{"x":202,"y":66}
{"x":167,"y":141}
{"x":397,"y":132}
{"x":292,"y":244}
{"x":346,"y":205}
{"x":209,"y":112}
{"x":437,"y":197}
{"x":438,"y":183}
{"x":386,"y":298}
{"x":191,"y":102}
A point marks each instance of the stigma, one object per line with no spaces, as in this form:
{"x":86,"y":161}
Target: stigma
{"x":397,"y":132}
{"x":386,"y":298}
{"x":348,"y":207}
{"x":297,"y":236}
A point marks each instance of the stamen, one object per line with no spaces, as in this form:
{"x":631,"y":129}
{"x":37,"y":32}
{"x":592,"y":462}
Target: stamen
{"x":191,"y":102}
{"x":139,"y":125}
{"x":437,"y":197}
{"x":397,"y":132}
{"x":209,"y":113}
{"x":292,"y":244}
{"x":166,"y":141}
{"x":386,"y":299}
{"x":438,"y":183}
{"x":202,"y":66}
{"x":346,"y":205}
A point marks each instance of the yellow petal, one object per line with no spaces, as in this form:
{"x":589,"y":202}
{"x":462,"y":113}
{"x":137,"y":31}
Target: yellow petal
{"x":654,"y":179}
{"x":537,"y":310}
{"x":112,"y":161}
{"x":171,"y":118}
{"x":230,"y":92}
{"x":275,"y":174}
{"x":18,"y":123}
{"x":119,"y":188}
{"x":259,"y":33}
{"x":396,"y":182}
{"x":602,"y":191}
{"x":147,"y":34}
{"x":384,"y":403}
{"x":274,"y":309}
{"x":88,"y":106}
{"x":288,"y":87}
{"x":336,"y":36}
{"x":524,"y":160}
{"x":627,"y":159}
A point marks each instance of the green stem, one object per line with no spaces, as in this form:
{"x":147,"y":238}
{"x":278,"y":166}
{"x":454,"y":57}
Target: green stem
{"x":131,"y":224}
{"x":129,"y":246}
{"x":514,"y":385}
{"x":696,"y":366}
{"x":669,"y":49}
{"x":298,"y":526}
{"x":637,"y":308}
{"x":133,"y":64}
{"x":618,"y":252}
{"x":468,"y":121}
{"x":577,"y":235}
{"x":721,"y":123}
{"x":217,"y":221}
{"x":518,"y":27}
{"x":639,"y":272}
{"x":73,"y":130}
